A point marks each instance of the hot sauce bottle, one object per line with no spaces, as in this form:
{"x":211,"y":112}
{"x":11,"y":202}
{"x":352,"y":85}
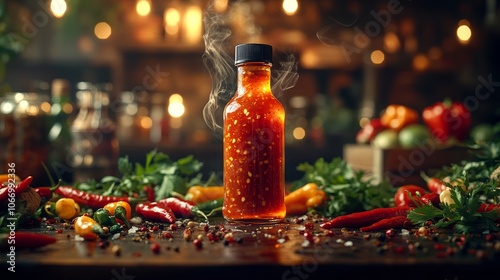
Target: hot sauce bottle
{"x":253,"y":143}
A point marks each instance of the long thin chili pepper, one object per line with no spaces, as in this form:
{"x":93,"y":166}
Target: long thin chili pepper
{"x":434,"y":184}
{"x":155,"y":212}
{"x":16,"y":188}
{"x":150,"y":193}
{"x":487,"y":207}
{"x":92,"y":200}
{"x":365,"y":218}
{"x":388,"y":223}
{"x":26,"y":240}
{"x":181,"y":208}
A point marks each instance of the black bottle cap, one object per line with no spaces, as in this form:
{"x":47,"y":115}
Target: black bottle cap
{"x":253,"y":53}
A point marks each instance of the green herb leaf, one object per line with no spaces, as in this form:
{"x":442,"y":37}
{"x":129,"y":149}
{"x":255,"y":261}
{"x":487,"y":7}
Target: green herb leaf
{"x":348,"y":190}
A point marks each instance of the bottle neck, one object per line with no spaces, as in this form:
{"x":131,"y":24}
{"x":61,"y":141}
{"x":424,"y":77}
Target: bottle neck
{"x":255,"y":77}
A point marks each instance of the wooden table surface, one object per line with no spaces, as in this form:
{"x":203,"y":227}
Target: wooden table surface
{"x":278,"y":251}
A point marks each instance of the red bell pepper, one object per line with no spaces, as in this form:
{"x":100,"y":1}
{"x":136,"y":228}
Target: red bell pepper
{"x":366,"y":134}
{"x":448,"y":120}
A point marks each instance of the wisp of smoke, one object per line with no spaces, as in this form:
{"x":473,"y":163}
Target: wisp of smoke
{"x":286,"y":76}
{"x":223,"y":72}
{"x":219,"y":65}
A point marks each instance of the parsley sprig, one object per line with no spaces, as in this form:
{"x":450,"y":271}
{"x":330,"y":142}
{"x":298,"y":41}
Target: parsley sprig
{"x":348,"y":190}
{"x":463,"y":216}
{"x":159,"y":171}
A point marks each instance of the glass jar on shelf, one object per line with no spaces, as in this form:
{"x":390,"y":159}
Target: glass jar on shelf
{"x":95,"y":149}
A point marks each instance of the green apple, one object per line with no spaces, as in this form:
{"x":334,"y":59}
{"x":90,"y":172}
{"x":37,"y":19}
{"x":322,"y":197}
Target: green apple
{"x":414,"y":135}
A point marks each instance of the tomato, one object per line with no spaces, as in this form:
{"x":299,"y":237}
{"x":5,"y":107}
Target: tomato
{"x":402,"y":195}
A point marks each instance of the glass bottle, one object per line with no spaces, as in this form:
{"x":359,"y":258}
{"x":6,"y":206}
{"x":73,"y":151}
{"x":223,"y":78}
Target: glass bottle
{"x":253,"y":143}
{"x":60,"y":133}
{"x":94,"y":152}
{"x":23,"y":134}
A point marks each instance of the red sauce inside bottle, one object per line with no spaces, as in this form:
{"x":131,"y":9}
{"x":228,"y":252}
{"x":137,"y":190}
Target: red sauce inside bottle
{"x":254,"y":149}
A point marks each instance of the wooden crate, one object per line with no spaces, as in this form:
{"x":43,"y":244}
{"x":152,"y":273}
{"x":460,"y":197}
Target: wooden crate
{"x":402,"y":166}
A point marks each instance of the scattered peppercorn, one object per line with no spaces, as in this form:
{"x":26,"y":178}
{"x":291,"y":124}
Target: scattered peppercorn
{"x":155,"y":247}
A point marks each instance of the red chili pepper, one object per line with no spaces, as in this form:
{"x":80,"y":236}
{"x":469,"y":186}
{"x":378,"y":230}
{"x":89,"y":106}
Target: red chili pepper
{"x":431,"y":198}
{"x":16,"y":188}
{"x":388,"y":223}
{"x":365,"y":218}
{"x":92,"y":200}
{"x":150,"y":193}
{"x":487,"y":207}
{"x":406,"y":195}
{"x":45,"y":192}
{"x":26,"y":240}
{"x":434,"y":184}
{"x":155,"y":212}
{"x":181,"y":208}
{"x":447,"y":119}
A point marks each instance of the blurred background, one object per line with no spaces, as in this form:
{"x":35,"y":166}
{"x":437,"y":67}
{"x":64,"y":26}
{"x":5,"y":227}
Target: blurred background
{"x":123,"y":77}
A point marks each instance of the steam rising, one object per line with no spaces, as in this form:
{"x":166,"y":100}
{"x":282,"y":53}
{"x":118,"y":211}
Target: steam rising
{"x":219,"y":65}
{"x":223,"y":72}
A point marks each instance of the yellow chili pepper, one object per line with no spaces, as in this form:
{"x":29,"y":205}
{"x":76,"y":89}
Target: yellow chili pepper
{"x":66,"y":208}
{"x":112,"y":206}
{"x":87,"y":227}
{"x":121,"y":215}
{"x":302,"y":199}
{"x":200,"y":194}
{"x":398,"y":116}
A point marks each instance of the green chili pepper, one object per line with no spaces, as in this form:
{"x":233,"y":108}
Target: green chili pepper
{"x":104,"y":218}
{"x":212,"y":206}
{"x":115,"y":229}
{"x":97,"y":229}
{"x":121,"y":214}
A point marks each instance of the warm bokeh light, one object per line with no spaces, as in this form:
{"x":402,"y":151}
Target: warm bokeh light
{"x":391,"y":42}
{"x":58,"y":8}
{"x":172,"y":18}
{"x":175,"y":98}
{"x":377,"y":57}
{"x":299,"y":133}
{"x":143,"y":7}
{"x":290,"y":7}
{"x":102,"y":30}
{"x":175,"y":106}
{"x":46,"y":107}
{"x":464,"y":33}
{"x":220,"y":6}
{"x":193,"y":26}
{"x":67,"y":108}
{"x":421,"y":62}
{"x":146,"y":122}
